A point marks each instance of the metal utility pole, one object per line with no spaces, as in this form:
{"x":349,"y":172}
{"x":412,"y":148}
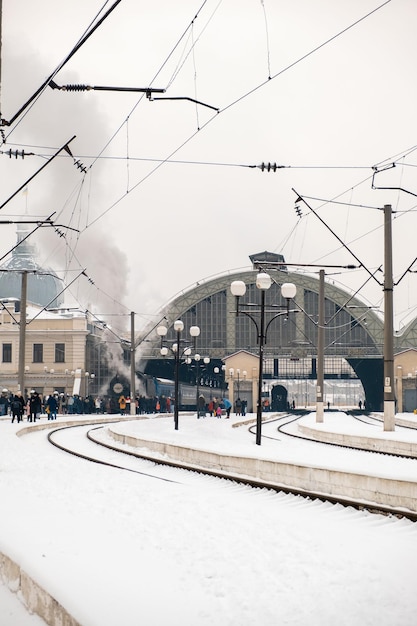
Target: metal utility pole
{"x":132,"y":365}
{"x":1,"y":43}
{"x":22,"y":331}
{"x":389,"y":391}
{"x":320,"y":352}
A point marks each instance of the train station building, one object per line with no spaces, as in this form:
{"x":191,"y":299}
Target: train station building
{"x":353,"y":339}
{"x":67,"y":350}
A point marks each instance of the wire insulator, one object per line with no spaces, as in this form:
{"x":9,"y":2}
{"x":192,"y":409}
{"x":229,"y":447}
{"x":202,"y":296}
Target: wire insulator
{"x":80,"y":166}
{"x":76,"y":88}
{"x":17,"y":153}
{"x":270,"y":167}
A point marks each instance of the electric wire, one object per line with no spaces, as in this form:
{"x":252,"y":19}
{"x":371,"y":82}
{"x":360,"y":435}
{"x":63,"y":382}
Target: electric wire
{"x":307,"y":55}
{"x":195,"y":77}
{"x":163,"y":161}
{"x":268,"y":56}
{"x":222,"y":164}
{"x":233,"y":103}
{"x":140,"y":99}
{"x":117,"y":201}
{"x":86,"y":35}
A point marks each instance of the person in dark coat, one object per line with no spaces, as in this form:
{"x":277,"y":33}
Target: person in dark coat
{"x":17,"y":405}
{"x":52,"y":405}
{"x":4,"y":402}
{"x":35,"y":406}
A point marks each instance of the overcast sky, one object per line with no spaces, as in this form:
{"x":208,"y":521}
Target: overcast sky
{"x":149,"y":228}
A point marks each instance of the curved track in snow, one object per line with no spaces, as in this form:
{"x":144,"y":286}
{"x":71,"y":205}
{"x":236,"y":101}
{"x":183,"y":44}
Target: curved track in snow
{"x":82,"y":441}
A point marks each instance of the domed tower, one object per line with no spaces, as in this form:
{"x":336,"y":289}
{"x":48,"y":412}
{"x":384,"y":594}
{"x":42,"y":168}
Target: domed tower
{"x":44,"y":286}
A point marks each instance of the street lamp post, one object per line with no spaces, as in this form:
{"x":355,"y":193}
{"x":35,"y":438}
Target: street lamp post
{"x":216,"y":371}
{"x":206,"y":361}
{"x":51,"y":372}
{"x":176,"y":349}
{"x":232,"y":373}
{"x":231,"y":386}
{"x":220,"y":378}
{"x":238,"y":382}
{"x":263,"y":283}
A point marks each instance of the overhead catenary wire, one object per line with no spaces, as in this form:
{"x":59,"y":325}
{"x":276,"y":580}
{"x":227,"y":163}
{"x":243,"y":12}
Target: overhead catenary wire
{"x":268,"y":56}
{"x":24,"y":185}
{"x":87,"y":34}
{"x":116,"y":132}
{"x":40,"y":152}
{"x":235,"y":102}
{"x":163,"y":161}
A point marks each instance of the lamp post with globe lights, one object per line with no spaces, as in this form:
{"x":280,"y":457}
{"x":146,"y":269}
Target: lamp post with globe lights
{"x":263,"y":283}
{"x":232,"y":373}
{"x":206,"y":361}
{"x":220,"y":378}
{"x":178,"y":353}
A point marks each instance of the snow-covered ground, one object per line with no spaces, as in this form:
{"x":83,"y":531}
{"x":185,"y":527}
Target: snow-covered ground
{"x":115,"y":547}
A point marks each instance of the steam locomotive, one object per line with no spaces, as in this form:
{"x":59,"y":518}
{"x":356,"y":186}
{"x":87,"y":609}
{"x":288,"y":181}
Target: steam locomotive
{"x":153,"y":387}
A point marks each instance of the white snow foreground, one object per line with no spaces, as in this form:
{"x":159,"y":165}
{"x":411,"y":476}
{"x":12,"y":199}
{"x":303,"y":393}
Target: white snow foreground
{"x":114,"y":547}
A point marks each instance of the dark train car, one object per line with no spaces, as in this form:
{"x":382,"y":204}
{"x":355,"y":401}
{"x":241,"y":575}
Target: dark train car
{"x":187,"y":393}
{"x":158,"y":388}
{"x":279,"y":398}
{"x":119,"y":385}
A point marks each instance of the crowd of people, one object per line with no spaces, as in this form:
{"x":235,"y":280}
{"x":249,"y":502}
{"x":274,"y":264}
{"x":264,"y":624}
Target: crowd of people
{"x":31,"y":407}
{"x":35,"y":405}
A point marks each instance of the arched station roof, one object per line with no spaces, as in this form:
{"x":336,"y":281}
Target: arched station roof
{"x":353,"y":329}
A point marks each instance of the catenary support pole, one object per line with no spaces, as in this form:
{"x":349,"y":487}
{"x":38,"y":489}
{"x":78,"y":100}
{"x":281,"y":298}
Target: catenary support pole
{"x":320,"y":352}
{"x":22,"y":332}
{"x":389,"y":391}
{"x":132,"y":365}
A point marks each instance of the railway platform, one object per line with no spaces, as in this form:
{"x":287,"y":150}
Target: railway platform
{"x":287,"y":459}
{"x":283,"y":461}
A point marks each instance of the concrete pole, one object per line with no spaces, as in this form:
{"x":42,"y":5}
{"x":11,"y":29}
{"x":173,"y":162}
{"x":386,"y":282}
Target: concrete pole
{"x":22,"y":332}
{"x":320,"y":353}
{"x":1,"y":51}
{"x":399,"y":389}
{"x":132,"y":365}
{"x":389,"y":387}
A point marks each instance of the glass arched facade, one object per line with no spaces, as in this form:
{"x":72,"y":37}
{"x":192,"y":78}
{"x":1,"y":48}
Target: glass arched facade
{"x":353,"y":332}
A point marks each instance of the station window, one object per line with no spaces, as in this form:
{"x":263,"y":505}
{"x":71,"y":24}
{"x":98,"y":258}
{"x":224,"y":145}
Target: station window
{"x":38,"y":352}
{"x":7,"y":353}
{"x":60,"y":353}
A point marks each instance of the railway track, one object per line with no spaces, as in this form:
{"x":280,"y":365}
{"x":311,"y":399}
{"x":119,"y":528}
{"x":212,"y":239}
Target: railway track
{"x":285,"y":421}
{"x":86,"y":442}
